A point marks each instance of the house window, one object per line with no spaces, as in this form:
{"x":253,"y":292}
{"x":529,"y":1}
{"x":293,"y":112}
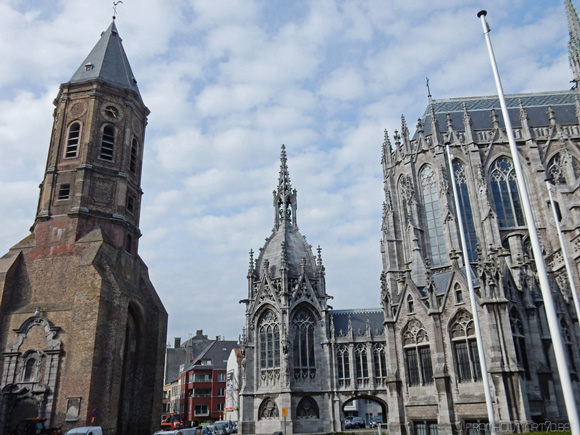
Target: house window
{"x":303,"y":340}
{"x":505,"y":193}
{"x":63,"y":192}
{"x":72,"y":144}
{"x":362,"y":368}
{"x":202,"y":392}
{"x":342,"y":361}
{"x":465,"y":347}
{"x":108,"y":143}
{"x":221,"y":377}
{"x":221,"y":392}
{"x":417,"y":354}
{"x":133,"y":158}
{"x":220,"y":406}
{"x":201,"y":377}
{"x":201,"y":410}
{"x":380,"y":361}
{"x":434,"y":227}
{"x":465,"y":207}
{"x":269,"y":330}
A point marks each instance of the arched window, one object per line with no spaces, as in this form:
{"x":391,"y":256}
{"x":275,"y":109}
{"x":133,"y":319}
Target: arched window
{"x":268,"y":410}
{"x":434,"y":229}
{"x":458,"y":294}
{"x":465,"y":348}
{"x":519,"y":342}
{"x":505,"y":193}
{"x":29,"y":374}
{"x":303,"y":339}
{"x":410,"y":304}
{"x":307,"y":408}
{"x":269,"y":330}
{"x":108,"y":143}
{"x":417,"y":354}
{"x":133,"y":158}
{"x":465,"y":208}
{"x":343,"y":363}
{"x":361,"y":361}
{"x":380,"y":361}
{"x":72,"y":144}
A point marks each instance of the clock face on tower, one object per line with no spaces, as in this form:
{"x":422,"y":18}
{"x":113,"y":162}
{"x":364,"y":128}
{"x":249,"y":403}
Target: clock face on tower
{"x":112,"y":113}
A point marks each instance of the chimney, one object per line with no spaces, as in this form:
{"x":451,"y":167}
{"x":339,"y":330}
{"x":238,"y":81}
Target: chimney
{"x":177,"y":342}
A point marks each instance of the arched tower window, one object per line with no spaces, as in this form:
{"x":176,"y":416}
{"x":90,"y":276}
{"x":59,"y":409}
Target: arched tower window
{"x":269,"y":331}
{"x":72,"y":143}
{"x":361,"y":361}
{"x":505,"y":193}
{"x":108,"y":143}
{"x":343,"y":363}
{"x":417,"y":354}
{"x":465,"y":208}
{"x":303,"y":340}
{"x":465,"y":348}
{"x":519,"y":342}
{"x":410,"y":304}
{"x":431,"y":204}
{"x":380,"y":361}
{"x":133,"y":157}
{"x":458,"y":294}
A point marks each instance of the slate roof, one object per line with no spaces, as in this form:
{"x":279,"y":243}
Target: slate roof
{"x":479,"y":108}
{"x":218,"y":352}
{"x":108,"y":62}
{"x":358,"y":319}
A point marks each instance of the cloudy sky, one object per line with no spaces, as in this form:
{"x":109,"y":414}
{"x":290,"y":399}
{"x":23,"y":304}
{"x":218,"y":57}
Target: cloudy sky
{"x":227,"y":83}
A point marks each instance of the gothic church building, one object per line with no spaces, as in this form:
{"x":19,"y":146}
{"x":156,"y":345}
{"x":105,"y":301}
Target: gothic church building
{"x":416,"y":355}
{"x":82,"y":330}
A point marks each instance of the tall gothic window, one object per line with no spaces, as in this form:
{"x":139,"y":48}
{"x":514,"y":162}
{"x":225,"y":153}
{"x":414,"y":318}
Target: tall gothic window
{"x":417,"y":354}
{"x":133,"y":157}
{"x":108,"y":143}
{"x":72,"y":144}
{"x":465,"y":209}
{"x":343,"y":362}
{"x":303,"y":339}
{"x":567,"y":338}
{"x":519,"y":342}
{"x":380,"y":361}
{"x":431,"y":203}
{"x":361,"y":361}
{"x":465,"y":348}
{"x":505,"y":193}
{"x":269,"y":330}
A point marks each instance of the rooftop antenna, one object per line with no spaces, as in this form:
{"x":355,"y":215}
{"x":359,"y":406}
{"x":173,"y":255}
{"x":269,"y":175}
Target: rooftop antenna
{"x":115,"y":8}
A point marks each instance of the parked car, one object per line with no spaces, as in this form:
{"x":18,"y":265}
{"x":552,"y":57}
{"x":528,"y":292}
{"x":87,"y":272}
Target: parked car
{"x":357,"y":423}
{"x":86,"y":430}
{"x":347,"y":422}
{"x":208,"y":430}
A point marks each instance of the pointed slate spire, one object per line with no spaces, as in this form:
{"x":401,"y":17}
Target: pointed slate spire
{"x":574,"y":43}
{"x":107,"y":62}
{"x":284,"y":184}
{"x":387,"y":149}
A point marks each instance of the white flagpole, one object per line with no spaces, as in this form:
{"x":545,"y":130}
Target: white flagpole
{"x":466,"y":262}
{"x":542,"y":274}
{"x":564,"y":251}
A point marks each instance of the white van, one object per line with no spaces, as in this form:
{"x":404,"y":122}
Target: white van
{"x":86,"y":430}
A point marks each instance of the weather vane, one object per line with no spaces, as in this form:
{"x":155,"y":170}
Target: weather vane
{"x":115,"y":8}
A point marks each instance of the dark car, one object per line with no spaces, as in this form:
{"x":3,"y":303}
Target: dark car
{"x":357,"y":423}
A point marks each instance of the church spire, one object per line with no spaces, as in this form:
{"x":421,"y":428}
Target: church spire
{"x":107,"y":62}
{"x":574,"y":43}
{"x":284,"y":196}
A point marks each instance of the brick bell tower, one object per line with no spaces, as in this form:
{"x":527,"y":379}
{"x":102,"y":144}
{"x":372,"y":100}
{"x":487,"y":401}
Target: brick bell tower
{"x":82,"y":330}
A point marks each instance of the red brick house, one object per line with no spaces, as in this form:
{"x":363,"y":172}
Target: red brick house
{"x":203,"y":384}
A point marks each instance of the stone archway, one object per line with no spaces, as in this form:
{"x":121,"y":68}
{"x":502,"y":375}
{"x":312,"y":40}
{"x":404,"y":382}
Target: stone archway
{"x":371,"y":409}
